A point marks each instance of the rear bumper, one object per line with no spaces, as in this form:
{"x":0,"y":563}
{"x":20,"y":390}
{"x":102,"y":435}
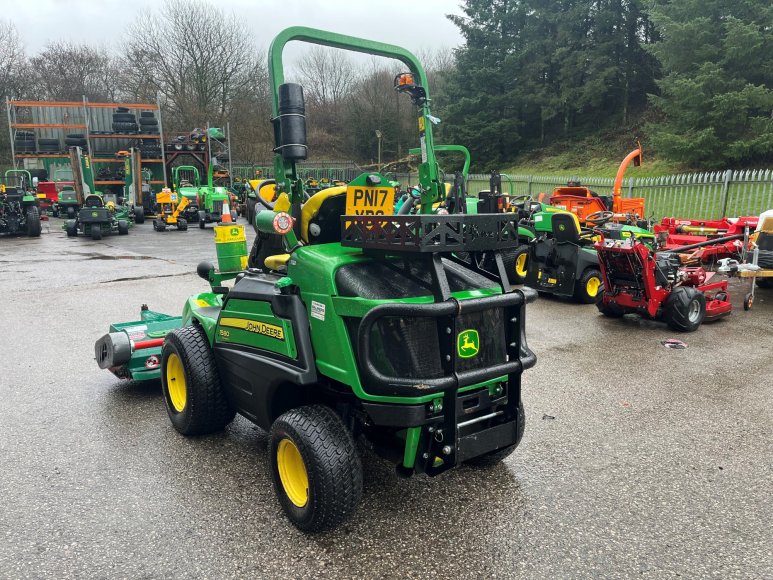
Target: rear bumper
{"x":455,"y":426}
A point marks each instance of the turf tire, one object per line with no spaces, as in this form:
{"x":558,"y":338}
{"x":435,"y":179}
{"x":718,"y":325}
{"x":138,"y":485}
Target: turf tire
{"x":610,"y":310}
{"x":96,"y":232}
{"x":206,"y":407}
{"x":33,"y":222}
{"x":678,"y":309}
{"x":331,"y":461}
{"x":123,"y":228}
{"x":581,"y":292}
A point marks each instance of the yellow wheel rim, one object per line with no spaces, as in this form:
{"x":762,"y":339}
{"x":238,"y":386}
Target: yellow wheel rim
{"x":592,"y":286}
{"x":292,"y":472}
{"x":175,"y":382}
{"x":520,"y":265}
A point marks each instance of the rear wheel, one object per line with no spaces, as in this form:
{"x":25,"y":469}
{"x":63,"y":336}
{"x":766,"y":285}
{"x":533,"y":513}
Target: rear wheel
{"x":684,"y":309}
{"x":182,"y":225}
{"x":316,"y":471}
{"x":589,"y":287}
{"x":610,"y":310}
{"x":494,"y":457}
{"x":195,"y":399}
{"x":33,"y":222}
{"x":70,"y":212}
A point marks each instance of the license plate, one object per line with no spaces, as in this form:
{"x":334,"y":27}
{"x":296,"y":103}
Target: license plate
{"x":362,"y":200}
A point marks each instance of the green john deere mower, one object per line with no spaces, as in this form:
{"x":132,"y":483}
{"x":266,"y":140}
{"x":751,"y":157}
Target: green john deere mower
{"x":366,"y":324}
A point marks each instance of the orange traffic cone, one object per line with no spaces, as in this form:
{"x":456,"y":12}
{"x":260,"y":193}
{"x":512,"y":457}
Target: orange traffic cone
{"x":226,"y":217}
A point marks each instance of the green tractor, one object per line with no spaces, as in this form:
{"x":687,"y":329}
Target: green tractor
{"x":19,"y":206}
{"x":366,"y":324}
{"x":99,"y":214}
{"x":206,"y":201}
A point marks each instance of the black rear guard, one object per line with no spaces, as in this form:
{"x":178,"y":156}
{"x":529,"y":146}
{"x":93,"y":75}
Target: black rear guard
{"x":466,"y":428}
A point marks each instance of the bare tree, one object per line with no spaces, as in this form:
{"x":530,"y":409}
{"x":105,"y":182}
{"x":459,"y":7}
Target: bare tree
{"x":14,"y":69}
{"x":192,"y":55}
{"x":65,"y":71}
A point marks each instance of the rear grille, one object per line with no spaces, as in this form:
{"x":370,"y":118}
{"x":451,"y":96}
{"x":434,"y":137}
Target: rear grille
{"x":409,"y":347}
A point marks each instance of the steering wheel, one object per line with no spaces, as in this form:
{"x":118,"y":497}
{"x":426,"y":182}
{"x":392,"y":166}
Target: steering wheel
{"x":599,"y":218}
{"x":259,"y":198}
{"x":514,"y":199}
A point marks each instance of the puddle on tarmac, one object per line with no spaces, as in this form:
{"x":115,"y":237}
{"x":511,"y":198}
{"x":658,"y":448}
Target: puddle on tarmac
{"x":106,"y":257}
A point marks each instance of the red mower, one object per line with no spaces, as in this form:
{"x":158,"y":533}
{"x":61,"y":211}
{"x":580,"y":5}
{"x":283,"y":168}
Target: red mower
{"x":724,"y":236}
{"x":658,"y":286}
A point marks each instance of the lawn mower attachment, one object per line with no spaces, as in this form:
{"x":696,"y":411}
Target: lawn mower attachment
{"x":658,"y":285}
{"x":132,"y":350}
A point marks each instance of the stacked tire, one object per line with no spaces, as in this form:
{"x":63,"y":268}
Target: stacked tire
{"x":49,"y":145}
{"x":124,"y":121}
{"x":75,"y":140}
{"x":150,"y":148}
{"x":24,"y":142}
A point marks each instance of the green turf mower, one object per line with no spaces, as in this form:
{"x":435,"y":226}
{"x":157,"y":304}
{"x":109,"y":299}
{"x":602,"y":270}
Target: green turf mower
{"x":206,"y":202}
{"x":365,"y":325}
{"x":562,"y":259}
{"x":97,"y":219}
{"x":99,"y":214}
{"x":19,"y":207}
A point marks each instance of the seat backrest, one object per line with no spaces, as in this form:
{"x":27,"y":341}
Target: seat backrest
{"x":321,"y":216}
{"x":566,"y":228}
{"x":94,"y":201}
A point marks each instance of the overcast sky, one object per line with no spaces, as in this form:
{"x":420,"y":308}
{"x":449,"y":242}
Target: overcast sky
{"x":413,"y":24}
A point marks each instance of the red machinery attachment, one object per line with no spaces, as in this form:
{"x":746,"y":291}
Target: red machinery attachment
{"x":724,"y":236}
{"x":584,"y":202}
{"x":658,"y":286}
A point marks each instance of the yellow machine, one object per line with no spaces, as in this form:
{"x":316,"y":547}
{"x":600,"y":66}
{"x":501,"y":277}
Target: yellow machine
{"x":170,"y":205}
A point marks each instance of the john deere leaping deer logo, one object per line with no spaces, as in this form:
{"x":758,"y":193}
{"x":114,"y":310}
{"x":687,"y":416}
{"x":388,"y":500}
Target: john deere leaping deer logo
{"x":467,"y":343}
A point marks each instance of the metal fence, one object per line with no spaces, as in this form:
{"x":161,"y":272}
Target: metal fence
{"x":332,"y":170}
{"x":710,"y":195}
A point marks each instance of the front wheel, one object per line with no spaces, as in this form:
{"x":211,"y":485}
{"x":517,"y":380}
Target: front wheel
{"x":139,"y":215}
{"x":182,"y":225}
{"x":589,"y":287}
{"x":195,"y":398}
{"x":610,"y":310}
{"x":316,"y":471}
{"x":123,"y":228}
{"x":684,"y":309}
{"x":516,"y":264}
{"x":96,"y":232}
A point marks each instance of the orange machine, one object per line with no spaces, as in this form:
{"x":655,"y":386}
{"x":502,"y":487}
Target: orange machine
{"x":584,"y":202}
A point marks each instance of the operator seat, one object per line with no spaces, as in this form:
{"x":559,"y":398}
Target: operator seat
{"x":93,"y":200}
{"x":320,"y":224}
{"x":321,"y":216}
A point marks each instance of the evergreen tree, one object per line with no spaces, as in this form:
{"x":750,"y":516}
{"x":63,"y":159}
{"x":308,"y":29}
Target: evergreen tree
{"x":715,"y":96}
{"x":484,"y":98}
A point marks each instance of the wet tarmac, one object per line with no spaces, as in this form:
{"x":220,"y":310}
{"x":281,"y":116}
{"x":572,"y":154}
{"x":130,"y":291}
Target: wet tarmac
{"x":637,"y":460}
